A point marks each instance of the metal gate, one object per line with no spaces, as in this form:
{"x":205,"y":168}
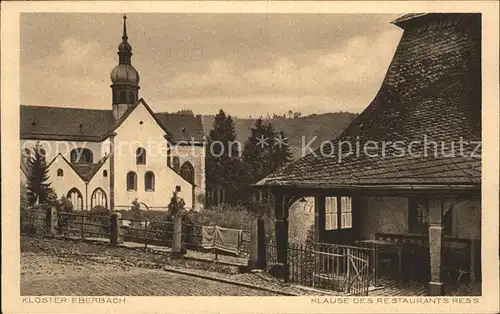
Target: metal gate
{"x":347,"y":269}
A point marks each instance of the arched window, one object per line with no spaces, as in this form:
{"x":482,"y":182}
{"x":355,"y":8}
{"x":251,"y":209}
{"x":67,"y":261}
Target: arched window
{"x":105,"y":173}
{"x":131,"y":181}
{"x":123,"y":96}
{"x":76,"y":198}
{"x":140,"y":156}
{"x":81,"y":155}
{"x":131,"y":96}
{"x":176,"y":163}
{"x":187,"y":172}
{"x":60,"y":172}
{"x":149,"y":181}
{"x":98,"y":198}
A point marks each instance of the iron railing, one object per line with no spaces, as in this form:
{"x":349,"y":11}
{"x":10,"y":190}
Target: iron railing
{"x":158,"y":233}
{"x":83,"y":225}
{"x":349,"y":269}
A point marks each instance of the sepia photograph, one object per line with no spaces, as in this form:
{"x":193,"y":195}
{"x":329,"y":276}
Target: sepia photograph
{"x":334,"y":156}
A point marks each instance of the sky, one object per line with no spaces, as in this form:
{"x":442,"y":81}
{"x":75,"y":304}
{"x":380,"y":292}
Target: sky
{"x":246,"y":64}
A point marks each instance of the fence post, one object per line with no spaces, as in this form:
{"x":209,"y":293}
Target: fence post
{"x":254,"y":245}
{"x":50,"y":221}
{"x":114,"y":230}
{"x":375,"y":264}
{"x":261,"y":244}
{"x":177,"y":236}
{"x":349,"y":259}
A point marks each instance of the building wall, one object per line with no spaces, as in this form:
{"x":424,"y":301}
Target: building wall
{"x":131,"y":135}
{"x":53,"y":148}
{"x":99,"y":181}
{"x":382,"y":214}
{"x":300,"y":220}
{"x":467,"y":219}
{"x":390,"y":215}
{"x":196,"y":156}
{"x":62,"y":185}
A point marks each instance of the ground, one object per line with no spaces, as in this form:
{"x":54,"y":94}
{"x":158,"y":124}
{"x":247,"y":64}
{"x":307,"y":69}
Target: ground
{"x":65,"y":267}
{"x":68,"y":267}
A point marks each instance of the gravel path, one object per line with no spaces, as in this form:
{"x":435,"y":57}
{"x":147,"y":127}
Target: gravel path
{"x":135,"y":282}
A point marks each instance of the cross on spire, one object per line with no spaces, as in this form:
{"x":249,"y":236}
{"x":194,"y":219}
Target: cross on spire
{"x":124,"y":37}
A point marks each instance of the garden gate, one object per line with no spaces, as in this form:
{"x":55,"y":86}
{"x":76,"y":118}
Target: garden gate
{"x":348,"y":269}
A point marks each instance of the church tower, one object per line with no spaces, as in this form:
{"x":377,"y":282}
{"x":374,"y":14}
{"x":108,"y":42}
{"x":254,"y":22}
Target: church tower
{"x":124,"y":78}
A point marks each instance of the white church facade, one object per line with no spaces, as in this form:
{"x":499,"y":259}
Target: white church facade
{"x":112,"y":157}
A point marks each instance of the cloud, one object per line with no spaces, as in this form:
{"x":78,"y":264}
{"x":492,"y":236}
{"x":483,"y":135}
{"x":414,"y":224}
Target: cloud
{"x":76,"y":75}
{"x":349,"y":75}
{"x":217,"y":72}
{"x":243,"y":62}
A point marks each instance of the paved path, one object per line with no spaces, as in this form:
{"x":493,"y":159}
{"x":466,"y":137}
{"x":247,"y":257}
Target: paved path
{"x":135,"y":282}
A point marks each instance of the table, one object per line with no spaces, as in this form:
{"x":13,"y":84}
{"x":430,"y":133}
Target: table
{"x":388,"y":246}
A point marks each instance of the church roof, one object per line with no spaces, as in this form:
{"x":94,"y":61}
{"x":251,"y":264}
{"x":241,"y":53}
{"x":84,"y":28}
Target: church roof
{"x":84,"y":170}
{"x":431,"y":91}
{"x":87,"y":171}
{"x":182,"y":127}
{"x":77,"y":124}
{"x":60,"y":123}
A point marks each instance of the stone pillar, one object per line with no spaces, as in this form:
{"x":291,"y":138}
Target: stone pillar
{"x":319,"y":217}
{"x":114,"y":229}
{"x":281,"y":230}
{"x":319,"y":226}
{"x":436,"y":228}
{"x":254,"y":255}
{"x":50,"y":221}
{"x":177,"y":236}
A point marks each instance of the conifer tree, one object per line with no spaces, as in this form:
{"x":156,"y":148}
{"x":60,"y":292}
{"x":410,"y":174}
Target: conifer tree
{"x":38,"y":185}
{"x":282,"y":154}
{"x":222,"y":158}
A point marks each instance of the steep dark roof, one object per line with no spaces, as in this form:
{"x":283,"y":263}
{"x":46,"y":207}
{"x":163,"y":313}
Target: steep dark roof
{"x":87,"y":171}
{"x":432,"y":89}
{"x":77,"y":124}
{"x":56,"y":123}
{"x":84,"y":170}
{"x":183,"y":127}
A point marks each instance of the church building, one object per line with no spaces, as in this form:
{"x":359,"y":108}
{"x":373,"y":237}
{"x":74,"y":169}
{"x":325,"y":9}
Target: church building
{"x":112,"y":157}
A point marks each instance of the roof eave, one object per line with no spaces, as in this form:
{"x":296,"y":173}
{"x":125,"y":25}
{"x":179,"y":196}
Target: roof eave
{"x":382,"y":186}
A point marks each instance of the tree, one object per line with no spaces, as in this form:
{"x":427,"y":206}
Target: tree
{"x":282,"y":154}
{"x":257,"y":150}
{"x":222,"y":158}
{"x":38,"y":185}
{"x":265,"y":152}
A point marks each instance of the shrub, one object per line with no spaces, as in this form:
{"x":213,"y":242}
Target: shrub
{"x":24,"y":197}
{"x":100,"y":215}
{"x":32,"y":219}
{"x":64,"y":205}
{"x":99,"y":211}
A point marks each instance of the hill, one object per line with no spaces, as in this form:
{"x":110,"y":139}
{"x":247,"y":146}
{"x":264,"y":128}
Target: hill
{"x":299,"y":130}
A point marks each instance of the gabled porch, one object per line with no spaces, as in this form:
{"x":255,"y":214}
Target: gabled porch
{"x":430,"y":235}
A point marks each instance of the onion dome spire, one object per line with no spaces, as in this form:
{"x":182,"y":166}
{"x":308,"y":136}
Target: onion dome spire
{"x":124,"y":48}
{"x":124,"y":77}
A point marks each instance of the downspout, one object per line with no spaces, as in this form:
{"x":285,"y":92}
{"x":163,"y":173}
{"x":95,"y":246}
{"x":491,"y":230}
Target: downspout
{"x":112,"y":172}
{"x":86,"y":195}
